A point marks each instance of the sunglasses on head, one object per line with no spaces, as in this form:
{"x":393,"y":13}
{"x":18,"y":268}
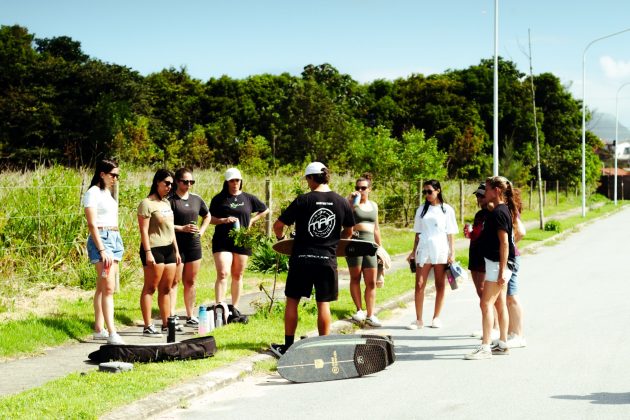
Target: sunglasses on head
{"x":167,"y":183}
{"x":187,"y":181}
{"x":427,"y":192}
{"x":113,"y":175}
{"x":360,"y":188}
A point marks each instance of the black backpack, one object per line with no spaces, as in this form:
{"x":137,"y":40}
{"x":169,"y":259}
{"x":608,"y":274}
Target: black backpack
{"x":194,"y":348}
{"x":236,"y":316}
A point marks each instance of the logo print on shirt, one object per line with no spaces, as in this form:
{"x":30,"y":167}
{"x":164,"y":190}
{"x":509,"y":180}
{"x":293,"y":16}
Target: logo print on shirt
{"x":321,"y":223}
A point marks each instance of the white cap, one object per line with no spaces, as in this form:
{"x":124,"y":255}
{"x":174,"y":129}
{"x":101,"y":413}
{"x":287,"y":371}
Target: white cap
{"x":314,"y":168}
{"x":233,"y":173}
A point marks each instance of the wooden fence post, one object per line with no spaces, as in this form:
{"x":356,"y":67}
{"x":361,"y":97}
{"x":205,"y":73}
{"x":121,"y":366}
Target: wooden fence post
{"x":557,"y":193}
{"x":531,"y":192}
{"x":268,"y":199}
{"x":461,"y":202}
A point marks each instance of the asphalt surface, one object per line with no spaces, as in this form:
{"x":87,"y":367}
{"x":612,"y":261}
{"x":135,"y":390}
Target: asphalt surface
{"x":575,"y":365}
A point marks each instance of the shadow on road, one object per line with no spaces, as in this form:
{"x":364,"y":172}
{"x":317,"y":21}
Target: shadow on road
{"x":615,"y":398}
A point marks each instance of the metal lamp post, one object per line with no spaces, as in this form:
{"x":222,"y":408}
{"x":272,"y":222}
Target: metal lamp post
{"x":495,"y":144}
{"x":617,"y":134}
{"x":584,"y":115}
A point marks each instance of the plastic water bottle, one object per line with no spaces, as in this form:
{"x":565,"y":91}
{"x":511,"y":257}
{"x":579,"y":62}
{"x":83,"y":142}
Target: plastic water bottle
{"x":219,"y":316}
{"x":210,"y":318}
{"x":357,"y":199}
{"x":203,"y":320}
{"x":237,"y":225}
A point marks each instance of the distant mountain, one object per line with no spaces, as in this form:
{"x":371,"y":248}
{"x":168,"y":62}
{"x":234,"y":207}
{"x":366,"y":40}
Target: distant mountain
{"x":603,"y":126}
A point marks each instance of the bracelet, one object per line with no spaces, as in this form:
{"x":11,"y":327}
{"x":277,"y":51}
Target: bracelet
{"x":146,"y":251}
{"x":101,"y":250}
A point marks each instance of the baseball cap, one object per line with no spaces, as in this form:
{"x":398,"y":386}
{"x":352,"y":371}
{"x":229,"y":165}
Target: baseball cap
{"x":314,"y":168}
{"x":481,"y":189}
{"x":233,"y":173}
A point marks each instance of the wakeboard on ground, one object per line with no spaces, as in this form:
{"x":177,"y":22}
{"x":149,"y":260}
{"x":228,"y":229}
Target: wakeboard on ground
{"x":331,"y":358}
{"x":345,"y":248}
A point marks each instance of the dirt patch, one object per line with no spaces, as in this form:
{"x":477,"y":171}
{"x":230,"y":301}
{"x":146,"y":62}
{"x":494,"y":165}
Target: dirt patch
{"x":44,"y":302}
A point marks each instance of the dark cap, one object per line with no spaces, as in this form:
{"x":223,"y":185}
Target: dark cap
{"x":481,"y":189}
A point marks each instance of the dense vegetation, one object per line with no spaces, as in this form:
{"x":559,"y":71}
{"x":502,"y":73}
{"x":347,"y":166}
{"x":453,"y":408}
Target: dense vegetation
{"x":58,"y":105}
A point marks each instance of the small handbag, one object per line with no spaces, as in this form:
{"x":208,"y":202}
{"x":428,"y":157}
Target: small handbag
{"x":454,"y":274}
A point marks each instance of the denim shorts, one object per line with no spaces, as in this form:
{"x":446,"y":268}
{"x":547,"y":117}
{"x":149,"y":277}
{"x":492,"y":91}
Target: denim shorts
{"x":492,"y":271}
{"x":513,"y":284}
{"x":112,"y":242}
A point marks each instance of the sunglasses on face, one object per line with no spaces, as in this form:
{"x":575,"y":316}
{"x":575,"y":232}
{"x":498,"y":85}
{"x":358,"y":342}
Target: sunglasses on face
{"x":167,"y":183}
{"x":360,"y":188}
{"x":187,"y":181}
{"x":234,"y":180}
{"x":427,"y":192}
{"x":113,"y":175}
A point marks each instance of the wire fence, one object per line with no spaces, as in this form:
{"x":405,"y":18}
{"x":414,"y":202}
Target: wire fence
{"x":43,"y":230}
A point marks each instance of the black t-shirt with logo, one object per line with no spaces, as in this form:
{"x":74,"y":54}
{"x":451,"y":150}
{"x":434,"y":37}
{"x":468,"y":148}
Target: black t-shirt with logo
{"x":187,"y":211}
{"x":240,"y":206}
{"x":319,"y":218}
{"x":498,"y":219}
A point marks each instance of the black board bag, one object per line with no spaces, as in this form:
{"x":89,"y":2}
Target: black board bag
{"x":193,"y":348}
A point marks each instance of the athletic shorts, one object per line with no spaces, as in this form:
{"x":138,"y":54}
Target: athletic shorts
{"x":112,"y":242}
{"x":303,"y":277}
{"x":228,"y":246}
{"x":475,"y":260}
{"x":366,"y":261}
{"x":161,"y":255}
{"x":492,"y":271}
{"x":189,"y":250}
{"x":513,"y":283}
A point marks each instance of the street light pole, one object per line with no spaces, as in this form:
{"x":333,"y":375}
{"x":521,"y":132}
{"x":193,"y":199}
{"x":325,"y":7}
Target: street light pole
{"x":584,"y":115}
{"x":617,"y":134}
{"x":495,"y":144}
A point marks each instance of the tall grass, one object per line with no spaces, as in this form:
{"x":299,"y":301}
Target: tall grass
{"x":43,"y":229}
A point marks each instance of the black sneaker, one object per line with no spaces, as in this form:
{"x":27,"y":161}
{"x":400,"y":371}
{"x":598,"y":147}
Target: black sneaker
{"x":150,"y":331}
{"x":192,"y":321}
{"x":278,"y":349}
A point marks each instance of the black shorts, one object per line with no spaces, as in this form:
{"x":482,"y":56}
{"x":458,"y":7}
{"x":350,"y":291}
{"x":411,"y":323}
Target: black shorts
{"x":161,"y":255}
{"x":189,"y":250}
{"x":229,"y":246}
{"x":475,"y":260}
{"x":303,"y":277}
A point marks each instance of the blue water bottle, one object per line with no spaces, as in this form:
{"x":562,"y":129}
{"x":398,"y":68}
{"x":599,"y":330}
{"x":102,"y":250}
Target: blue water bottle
{"x":237,"y":225}
{"x":203,"y":320}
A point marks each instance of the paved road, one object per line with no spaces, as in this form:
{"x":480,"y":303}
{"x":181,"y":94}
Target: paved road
{"x":576,"y":365}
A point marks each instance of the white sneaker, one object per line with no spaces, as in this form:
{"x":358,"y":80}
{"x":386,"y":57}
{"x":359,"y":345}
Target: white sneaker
{"x":101,"y":335}
{"x":415,"y":325}
{"x":436,"y":323}
{"x":500,"y":348}
{"x":116,"y":339}
{"x":480,"y":353}
{"x":515,"y":341}
{"x":373,"y":321}
{"x":359,"y":316}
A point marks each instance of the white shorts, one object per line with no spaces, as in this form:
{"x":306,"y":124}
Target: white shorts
{"x":492,"y":271}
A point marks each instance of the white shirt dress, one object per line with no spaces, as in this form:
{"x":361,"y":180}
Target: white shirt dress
{"x":433,"y":229}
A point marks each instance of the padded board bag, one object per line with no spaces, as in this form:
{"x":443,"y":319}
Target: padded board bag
{"x":193,"y":348}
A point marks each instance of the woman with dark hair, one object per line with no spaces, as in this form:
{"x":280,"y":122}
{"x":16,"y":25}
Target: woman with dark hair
{"x":158,"y":250}
{"x":367,"y":229}
{"x":187,"y":208}
{"x":232,"y":209}
{"x":498,"y":251}
{"x":433,"y":248}
{"x":104,"y":246}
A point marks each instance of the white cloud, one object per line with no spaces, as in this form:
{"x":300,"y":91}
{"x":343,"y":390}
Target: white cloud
{"x":614,"y":69}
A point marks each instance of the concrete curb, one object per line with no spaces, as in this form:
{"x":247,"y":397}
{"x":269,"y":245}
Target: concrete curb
{"x":170,"y":398}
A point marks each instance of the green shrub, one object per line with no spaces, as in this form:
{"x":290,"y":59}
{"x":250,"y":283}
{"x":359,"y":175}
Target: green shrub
{"x":553,"y":226}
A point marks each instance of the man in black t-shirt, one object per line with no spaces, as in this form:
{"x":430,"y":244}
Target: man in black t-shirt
{"x":321,"y":218}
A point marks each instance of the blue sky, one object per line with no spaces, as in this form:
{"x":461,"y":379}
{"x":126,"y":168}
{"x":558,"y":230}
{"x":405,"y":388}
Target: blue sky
{"x":366,"y":39}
